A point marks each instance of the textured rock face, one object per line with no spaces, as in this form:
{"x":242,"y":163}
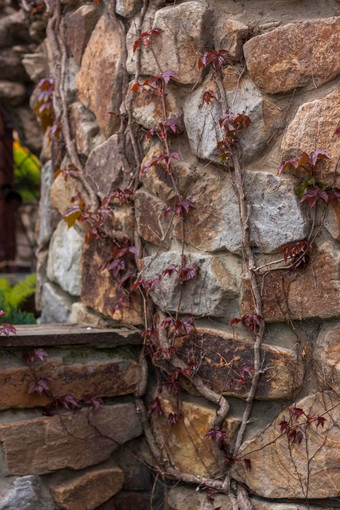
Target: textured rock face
{"x":315,"y":121}
{"x":49,"y":445}
{"x":89,"y":489}
{"x":326,"y":355}
{"x":280,"y":469}
{"x":56,"y":304}
{"x":63,"y":265}
{"x":106,"y":167}
{"x":213,"y":292}
{"x":185,"y":30}
{"x":128,"y":8}
{"x":99,"y":78}
{"x":309,"y":292}
{"x":147,"y":107}
{"x":79,"y":26}
{"x":202,"y":121}
{"x":189,"y":449}
{"x":62,"y":191}
{"x":332,"y":220}
{"x":149,"y":216}
{"x":294,"y":55}
{"x":277,"y":217}
{"x":219,"y":350}
{"x":100,"y":288}
{"x":84,"y":128}
{"x":25,"y":493}
{"x":229,"y":35}
{"x":104,"y":374}
{"x":184,"y":498}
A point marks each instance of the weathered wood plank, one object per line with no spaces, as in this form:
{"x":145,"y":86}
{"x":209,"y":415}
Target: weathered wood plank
{"x":69,"y":334}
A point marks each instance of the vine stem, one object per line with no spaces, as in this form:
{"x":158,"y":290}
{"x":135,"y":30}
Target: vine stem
{"x":238,"y":178}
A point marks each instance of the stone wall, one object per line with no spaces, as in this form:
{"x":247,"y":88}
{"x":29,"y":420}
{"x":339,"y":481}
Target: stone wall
{"x":282,"y":72}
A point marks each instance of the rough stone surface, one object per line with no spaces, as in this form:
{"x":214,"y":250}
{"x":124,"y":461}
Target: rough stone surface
{"x":81,"y":314}
{"x":149,"y":216}
{"x":48,"y":218}
{"x":213,"y":292}
{"x":84,"y":128}
{"x":79,"y":27}
{"x":88,"y":490}
{"x":295,"y":55}
{"x":99,"y":373}
{"x":63,"y":265}
{"x":62,"y":191}
{"x":56,"y":304}
{"x":128,"y":8}
{"x":280,"y":469}
{"x":202,"y":121}
{"x":53,"y":443}
{"x":13,"y":93}
{"x":11,"y":66}
{"x":185,"y":498}
{"x":100,"y":288}
{"x":222,"y":352}
{"x":147,"y":107}
{"x":304,"y":293}
{"x":316,"y":120}
{"x":189,"y":449}
{"x":99,"y":78}
{"x":35,"y":66}
{"x":332,"y":220}
{"x":24,"y":493}
{"x":185,"y":31}
{"x":229,"y":35}
{"x":276,"y":216}
{"x":106,"y":167}
{"x":326,"y":355}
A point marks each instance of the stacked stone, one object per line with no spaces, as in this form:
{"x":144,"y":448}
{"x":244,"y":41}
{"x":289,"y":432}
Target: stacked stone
{"x":285,"y":78}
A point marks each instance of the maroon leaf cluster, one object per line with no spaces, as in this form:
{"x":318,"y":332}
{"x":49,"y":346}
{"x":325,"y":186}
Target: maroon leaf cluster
{"x":145,"y":38}
{"x":5,"y":328}
{"x":174,"y":418}
{"x":251,"y":321}
{"x":180,"y":208}
{"x":207,"y":96}
{"x":305,"y":160}
{"x":156,"y":82}
{"x":241,"y":374}
{"x":155,"y":407}
{"x":216,"y":58}
{"x":71,"y":171}
{"x":293,"y":429}
{"x":36,"y":354}
{"x":44,"y":105}
{"x":164,"y":159}
{"x":218,"y":435}
{"x":171,"y":126}
{"x":40,"y":385}
{"x":296,"y":254}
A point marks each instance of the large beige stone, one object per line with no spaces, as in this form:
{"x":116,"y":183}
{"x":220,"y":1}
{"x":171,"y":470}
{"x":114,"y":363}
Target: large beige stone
{"x":202,"y":120}
{"x":79,"y":27}
{"x":149,"y":216}
{"x":85,"y":373}
{"x":72,"y":440}
{"x":62,"y":191}
{"x":84,"y":128}
{"x":147,"y":106}
{"x":185,"y":30}
{"x":100,"y":75}
{"x":88,"y":490}
{"x":313,"y":129}
{"x":302,"y":293}
{"x":185,"y":441}
{"x":326,"y":355}
{"x":283,"y":469}
{"x":223,"y":352}
{"x":185,"y":498}
{"x":276,"y":218}
{"x":100,"y":288}
{"x":295,"y":55}
{"x":229,"y":35}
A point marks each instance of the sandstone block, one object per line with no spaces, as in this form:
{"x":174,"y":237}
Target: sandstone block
{"x":186,"y":498}
{"x":223,"y":352}
{"x":202,"y":121}
{"x":56,"y":304}
{"x":214,"y":291}
{"x":229,"y":35}
{"x":100,"y":288}
{"x":276,"y":219}
{"x":43,"y":445}
{"x":84,"y":128}
{"x":62,"y":191}
{"x":63,"y":265}
{"x":35,"y":66}
{"x":280,"y":469}
{"x":300,"y":54}
{"x":128,"y":8}
{"x":149,"y":216}
{"x":302,"y":293}
{"x":189,"y":449}
{"x":185,"y":30}
{"x":79,"y":27}
{"x":89,"y":489}
{"x":100,"y":75}
{"x":305,"y":134}
{"x":332,"y":220}
{"x":326,"y":355}
{"x":107,"y":167}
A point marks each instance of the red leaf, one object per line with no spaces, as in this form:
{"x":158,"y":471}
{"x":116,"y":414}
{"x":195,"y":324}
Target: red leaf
{"x":284,"y":426}
{"x":188,"y":273}
{"x":321,"y":154}
{"x":320,"y":420}
{"x":6,"y":329}
{"x":207,"y":96}
{"x":155,"y":407}
{"x":247,"y":463}
{"x":297,"y":412}
{"x":136,"y":46}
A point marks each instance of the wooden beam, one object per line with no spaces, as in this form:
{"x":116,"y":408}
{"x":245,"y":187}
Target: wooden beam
{"x":70,"y":334}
